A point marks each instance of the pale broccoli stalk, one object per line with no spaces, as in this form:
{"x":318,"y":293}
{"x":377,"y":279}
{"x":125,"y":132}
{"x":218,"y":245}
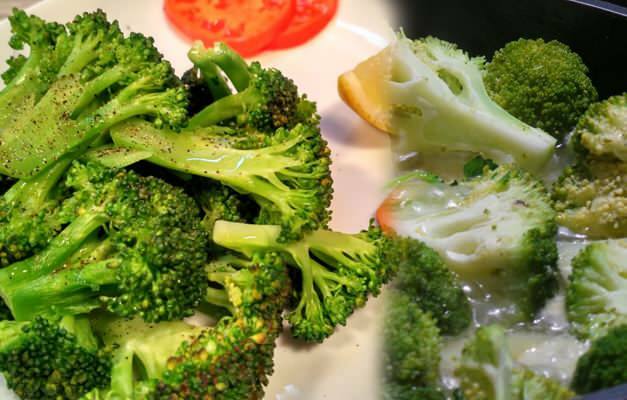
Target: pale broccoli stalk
{"x":432,"y":96}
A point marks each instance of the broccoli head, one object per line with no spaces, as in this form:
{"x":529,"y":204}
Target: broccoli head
{"x":605,"y":364}
{"x":432,"y":97}
{"x":403,"y":391}
{"x":602,"y":130}
{"x":433,"y":287}
{"x":337,"y":271}
{"x":596,"y":297}
{"x":590,"y":198}
{"x":94,"y":77}
{"x":544,"y":84}
{"x":52,"y":359}
{"x":498,"y":229}
{"x":135,"y":245}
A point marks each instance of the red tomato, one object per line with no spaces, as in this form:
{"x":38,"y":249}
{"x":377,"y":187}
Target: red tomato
{"x":385,"y":215}
{"x":310,"y":18}
{"x":248,"y":26}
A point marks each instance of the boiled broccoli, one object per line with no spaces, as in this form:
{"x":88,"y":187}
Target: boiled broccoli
{"x":544,"y":84}
{"x":595,"y":296}
{"x":590,"y":198}
{"x":134,"y":246}
{"x":433,"y":287}
{"x":605,"y":364}
{"x":488,"y":372}
{"x":602,"y":130}
{"x":52,"y":359}
{"x":231,"y":360}
{"x":337,"y":271}
{"x":412,"y":345}
{"x":498,"y":229}
{"x":286,"y":173}
{"x":81,"y":79}
{"x":432,"y":96}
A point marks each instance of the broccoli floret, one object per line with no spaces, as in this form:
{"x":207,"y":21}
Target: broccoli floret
{"x":403,"y":391}
{"x":590,"y":198}
{"x":605,"y":364}
{"x":412,"y":344}
{"x":497,"y":229}
{"x":135,"y":246}
{"x":265,"y":100}
{"x":432,"y":96}
{"x":433,"y":287}
{"x":602,"y":130}
{"x":52,"y":359}
{"x":596,"y":297}
{"x":488,"y":372}
{"x":337,"y":271}
{"x":286,"y":173}
{"x":544,"y":84}
{"x":198,"y":92}
{"x":100,"y":78}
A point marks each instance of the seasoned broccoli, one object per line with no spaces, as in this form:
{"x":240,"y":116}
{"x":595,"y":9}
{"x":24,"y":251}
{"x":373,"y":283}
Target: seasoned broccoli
{"x":412,"y":344}
{"x":544,"y":84}
{"x":286,"y":173}
{"x":498,"y":228}
{"x":602,"y":130}
{"x":52,"y":359}
{"x":135,"y":245}
{"x":432,"y":96}
{"x":596,"y":297}
{"x":81,"y":82}
{"x":231,"y":360}
{"x":590,"y":198}
{"x":337,"y":271}
{"x":433,"y":287}
{"x":487,"y":372}
{"x":403,"y":391}
{"x":605,"y":364}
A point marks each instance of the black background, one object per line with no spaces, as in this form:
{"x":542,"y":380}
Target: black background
{"x":599,"y":36}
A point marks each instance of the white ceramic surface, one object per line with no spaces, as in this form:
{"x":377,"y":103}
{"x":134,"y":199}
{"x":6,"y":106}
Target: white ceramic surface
{"x":345,"y":366}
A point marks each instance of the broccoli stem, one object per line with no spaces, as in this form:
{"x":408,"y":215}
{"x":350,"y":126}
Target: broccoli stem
{"x":210,"y":72}
{"x":224,"y":57}
{"x":225,"y":108}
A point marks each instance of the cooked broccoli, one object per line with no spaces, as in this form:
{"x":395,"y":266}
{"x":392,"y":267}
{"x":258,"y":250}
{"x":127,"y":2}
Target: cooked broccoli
{"x":605,"y":364}
{"x":487,"y":372}
{"x":337,"y":271}
{"x":590,"y":198}
{"x":52,"y":359}
{"x":412,"y":344}
{"x":403,"y":391}
{"x":544,"y":84}
{"x":596,"y":297}
{"x":231,"y":360}
{"x":134,"y":245}
{"x":498,"y":228}
{"x":433,"y":287}
{"x":602,"y":130}
{"x":432,"y":96}
{"x":287,"y":173}
{"x":81,"y":82}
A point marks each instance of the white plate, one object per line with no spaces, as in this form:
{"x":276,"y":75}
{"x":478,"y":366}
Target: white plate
{"x":345,"y":366}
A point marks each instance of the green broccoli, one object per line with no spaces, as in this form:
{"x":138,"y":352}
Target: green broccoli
{"x":230,"y":360}
{"x":286,"y":173}
{"x":52,"y":359}
{"x":488,"y":372}
{"x":602,"y":130}
{"x":134,"y":245}
{"x":432,"y":96}
{"x":412,"y":345}
{"x":605,"y":364}
{"x":81,"y":82}
{"x":404,"y":391}
{"x":544,"y":84}
{"x":433,"y":287}
{"x":498,"y":228}
{"x":337,"y":271}
{"x":596,"y":296}
{"x":590,"y":198}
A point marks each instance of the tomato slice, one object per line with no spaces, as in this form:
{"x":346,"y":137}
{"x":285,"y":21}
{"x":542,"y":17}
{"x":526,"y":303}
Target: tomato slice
{"x":310,"y":17}
{"x":248,"y":26}
{"x":385,"y":214}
